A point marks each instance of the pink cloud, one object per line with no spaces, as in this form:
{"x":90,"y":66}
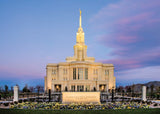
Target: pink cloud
{"x":134,"y":22}
{"x":21,"y":71}
{"x":131,"y":30}
{"x":122,"y":64}
{"x":127,"y":39}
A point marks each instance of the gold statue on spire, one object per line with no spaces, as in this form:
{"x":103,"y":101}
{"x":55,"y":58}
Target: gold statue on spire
{"x":80,"y":12}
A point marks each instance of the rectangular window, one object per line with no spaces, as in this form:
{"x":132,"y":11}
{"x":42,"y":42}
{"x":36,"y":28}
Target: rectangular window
{"x":80,"y":73}
{"x":74,"y":73}
{"x":53,"y":71}
{"x":96,"y":71}
{"x":64,"y":71}
{"x":73,"y":88}
{"x":86,"y":73}
{"x":106,"y":72}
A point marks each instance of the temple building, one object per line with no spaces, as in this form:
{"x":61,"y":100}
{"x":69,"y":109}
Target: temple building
{"x":80,"y":72}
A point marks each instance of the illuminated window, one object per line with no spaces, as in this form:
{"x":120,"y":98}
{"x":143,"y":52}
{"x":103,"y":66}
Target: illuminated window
{"x":53,"y":71}
{"x":64,"y":71}
{"x":95,"y":71}
{"x":106,"y":72}
{"x":65,"y":78}
{"x":86,"y":73}
{"x":74,"y":73}
{"x":80,"y":73}
{"x":73,"y":88}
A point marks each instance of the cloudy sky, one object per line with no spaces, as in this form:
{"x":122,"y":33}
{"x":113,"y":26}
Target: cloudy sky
{"x":122,"y":32}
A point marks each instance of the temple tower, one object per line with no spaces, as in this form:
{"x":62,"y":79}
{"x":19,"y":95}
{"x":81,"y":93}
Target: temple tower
{"x":80,"y":49}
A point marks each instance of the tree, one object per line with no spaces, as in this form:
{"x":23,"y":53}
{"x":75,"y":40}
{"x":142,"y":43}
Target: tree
{"x":31,"y":88}
{"x":1,"y":89}
{"x":39,"y":89}
{"x":120,"y":88}
{"x":133,"y":87}
{"x":128,"y":88}
{"x":6,"y":88}
{"x":11,"y":88}
{"x":25,"y":89}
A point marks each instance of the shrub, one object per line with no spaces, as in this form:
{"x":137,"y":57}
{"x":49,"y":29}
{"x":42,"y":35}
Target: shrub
{"x":6,"y":104}
{"x":155,"y":104}
{"x":20,"y":101}
{"x":15,"y":102}
{"x":25,"y":100}
{"x":11,"y":103}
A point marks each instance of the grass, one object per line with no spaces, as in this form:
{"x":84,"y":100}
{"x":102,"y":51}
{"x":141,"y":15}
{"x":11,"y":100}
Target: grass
{"x":109,"y":111}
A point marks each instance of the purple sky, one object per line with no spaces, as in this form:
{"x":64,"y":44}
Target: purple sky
{"x":122,"y":32}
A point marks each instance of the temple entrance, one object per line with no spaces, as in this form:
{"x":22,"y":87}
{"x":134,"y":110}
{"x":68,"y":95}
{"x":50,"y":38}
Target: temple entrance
{"x":102,"y":87}
{"x":57,"y":87}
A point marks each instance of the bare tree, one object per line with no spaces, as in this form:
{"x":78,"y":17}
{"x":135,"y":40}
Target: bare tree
{"x":39,"y":89}
{"x":1,"y":89}
{"x":133,"y":87}
{"x":31,"y":88}
{"x":11,"y":88}
{"x":152,"y":87}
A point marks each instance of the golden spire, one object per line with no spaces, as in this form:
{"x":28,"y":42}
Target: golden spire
{"x":80,"y":21}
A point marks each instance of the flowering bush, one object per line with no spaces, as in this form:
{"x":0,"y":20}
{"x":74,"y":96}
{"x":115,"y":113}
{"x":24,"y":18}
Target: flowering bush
{"x":78,"y":106}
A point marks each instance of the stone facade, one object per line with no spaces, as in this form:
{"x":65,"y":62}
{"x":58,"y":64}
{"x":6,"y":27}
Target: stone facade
{"x":79,"y":73}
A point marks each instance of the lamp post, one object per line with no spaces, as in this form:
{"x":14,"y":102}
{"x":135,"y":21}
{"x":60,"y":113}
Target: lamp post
{"x":49,"y":95}
{"x":122,"y":95}
{"x":96,"y":84}
{"x":112,"y":93}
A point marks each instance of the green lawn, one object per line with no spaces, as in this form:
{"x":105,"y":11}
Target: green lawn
{"x":122,"y":111}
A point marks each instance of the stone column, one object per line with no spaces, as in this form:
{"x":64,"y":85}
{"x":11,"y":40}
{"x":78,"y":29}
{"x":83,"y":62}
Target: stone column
{"x":15,"y":93}
{"x":107,"y":88}
{"x":144,"y":93}
{"x":53,"y":88}
{"x":76,"y":87}
{"x":97,"y":87}
{"x":62,"y":87}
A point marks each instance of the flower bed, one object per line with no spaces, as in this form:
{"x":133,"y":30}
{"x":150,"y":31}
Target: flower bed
{"x":58,"y":106}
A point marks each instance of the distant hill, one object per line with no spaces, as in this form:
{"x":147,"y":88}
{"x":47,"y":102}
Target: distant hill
{"x":155,"y":84}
